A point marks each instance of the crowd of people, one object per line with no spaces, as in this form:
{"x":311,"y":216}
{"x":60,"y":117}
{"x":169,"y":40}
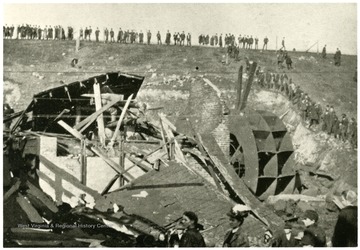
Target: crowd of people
{"x":245,"y":41}
{"x":187,"y":233}
{"x":27,"y":31}
{"x":343,"y":128}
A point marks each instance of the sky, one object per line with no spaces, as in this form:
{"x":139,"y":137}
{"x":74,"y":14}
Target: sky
{"x":302,"y":24}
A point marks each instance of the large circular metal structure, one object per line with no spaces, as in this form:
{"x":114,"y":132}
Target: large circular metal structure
{"x":261,"y":152}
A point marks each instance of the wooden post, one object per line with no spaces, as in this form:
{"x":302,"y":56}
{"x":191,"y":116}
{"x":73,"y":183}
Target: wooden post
{"x":122,"y":156}
{"x":100,"y":118}
{"x":239,"y":88}
{"x":83,"y":162}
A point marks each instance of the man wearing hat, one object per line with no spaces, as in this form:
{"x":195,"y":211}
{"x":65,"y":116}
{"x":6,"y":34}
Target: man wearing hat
{"x":285,"y":238}
{"x":313,"y":234}
{"x":235,"y":236}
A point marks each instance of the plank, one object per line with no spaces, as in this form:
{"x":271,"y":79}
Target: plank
{"x":42,"y":197}
{"x":117,"y":129}
{"x":30,"y":211}
{"x":72,"y":131}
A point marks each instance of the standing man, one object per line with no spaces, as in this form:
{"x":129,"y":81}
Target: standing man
{"x":337,"y":57}
{"x":158,"y":38}
{"x":90,"y":31}
{"x":106,"y":34}
{"x":148,"y":37}
{"x":167,"y":39}
{"x":220,"y":41}
{"x":97,"y":32}
{"x":323,"y":53}
{"x":256,"y":43}
{"x":182,"y":36}
{"x":141,"y":37}
{"x":45,"y":35}
{"x":266,"y":40}
{"x":112,"y":39}
{"x":188,"y":39}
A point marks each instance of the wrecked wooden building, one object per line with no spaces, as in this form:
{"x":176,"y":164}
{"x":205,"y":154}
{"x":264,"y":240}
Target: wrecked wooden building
{"x":89,"y":144}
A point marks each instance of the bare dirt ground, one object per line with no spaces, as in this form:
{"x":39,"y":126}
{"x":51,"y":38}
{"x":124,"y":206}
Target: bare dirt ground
{"x":32,"y":66}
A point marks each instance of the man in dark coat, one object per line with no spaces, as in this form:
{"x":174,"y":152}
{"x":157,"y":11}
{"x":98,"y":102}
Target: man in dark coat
{"x":266,"y":40}
{"x":284,"y":237}
{"x":97,"y":32}
{"x":337,"y":57}
{"x":158,"y":36}
{"x":148,"y":37}
{"x":167,"y":39}
{"x":313,"y":234}
{"x":188,"y":39}
{"x":323,"y":53}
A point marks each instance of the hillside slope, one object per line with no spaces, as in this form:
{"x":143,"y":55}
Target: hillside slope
{"x":51,"y":59}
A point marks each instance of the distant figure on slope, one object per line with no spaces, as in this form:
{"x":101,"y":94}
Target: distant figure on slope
{"x":323,"y":53}
{"x":337,"y":57}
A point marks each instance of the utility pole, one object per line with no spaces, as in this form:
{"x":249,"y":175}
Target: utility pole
{"x":276,"y":43}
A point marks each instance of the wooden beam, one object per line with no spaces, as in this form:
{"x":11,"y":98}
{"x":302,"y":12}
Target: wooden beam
{"x":139,"y":163}
{"x":90,"y":119}
{"x":239,"y":88}
{"x":83,"y":161}
{"x":122,"y":155}
{"x":30,"y":211}
{"x":42,"y":196}
{"x":12,"y":190}
{"x":177,"y":150}
{"x":72,"y":131}
{"x":203,"y":152}
{"x":110,"y":184}
{"x":100,"y":118}
{"x":67,"y":176}
{"x":117,"y":129}
{"x":152,"y":152}
{"x":167,"y":122}
{"x":167,"y":149}
{"x":112,"y":164}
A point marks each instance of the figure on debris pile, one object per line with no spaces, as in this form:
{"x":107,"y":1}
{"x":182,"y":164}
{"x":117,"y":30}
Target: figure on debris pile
{"x":191,"y":237}
{"x":235,"y":237}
